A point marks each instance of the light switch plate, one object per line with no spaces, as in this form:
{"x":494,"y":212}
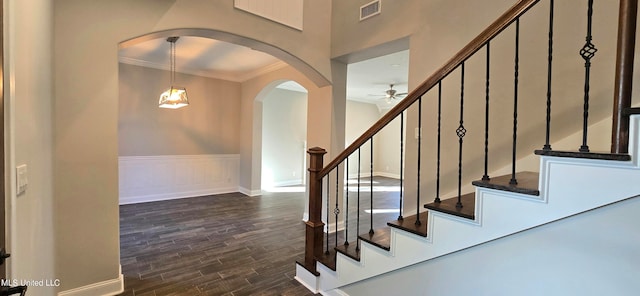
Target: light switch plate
{"x":418,"y":133}
{"x":21,"y":179}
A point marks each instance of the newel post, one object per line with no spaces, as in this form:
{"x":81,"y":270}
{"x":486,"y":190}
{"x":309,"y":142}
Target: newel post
{"x":315,"y":226}
{"x":624,"y":75}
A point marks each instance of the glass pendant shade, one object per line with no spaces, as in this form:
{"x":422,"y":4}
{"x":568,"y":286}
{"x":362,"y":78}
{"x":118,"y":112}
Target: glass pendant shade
{"x":174,"y":98}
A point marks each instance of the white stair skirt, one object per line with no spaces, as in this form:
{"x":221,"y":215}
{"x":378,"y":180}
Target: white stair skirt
{"x":568,"y":186}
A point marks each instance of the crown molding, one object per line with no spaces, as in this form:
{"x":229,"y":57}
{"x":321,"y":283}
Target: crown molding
{"x":261,"y":71}
{"x":211,"y":74}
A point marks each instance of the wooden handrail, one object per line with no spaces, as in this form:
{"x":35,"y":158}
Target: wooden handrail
{"x":476,"y":44}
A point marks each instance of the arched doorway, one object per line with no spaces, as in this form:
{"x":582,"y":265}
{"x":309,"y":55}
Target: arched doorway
{"x":284,"y":136}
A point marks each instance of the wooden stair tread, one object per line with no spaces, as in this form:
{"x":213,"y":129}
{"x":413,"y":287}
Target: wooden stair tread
{"x":589,"y":155}
{"x":409,"y":224}
{"x":381,"y":238}
{"x":328,"y":259}
{"x":448,"y":206}
{"x":527,"y":183}
{"x":309,"y":268}
{"x":349,"y":250}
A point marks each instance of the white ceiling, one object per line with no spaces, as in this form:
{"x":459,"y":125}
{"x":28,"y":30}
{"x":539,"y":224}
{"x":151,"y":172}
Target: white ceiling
{"x":367,"y":81}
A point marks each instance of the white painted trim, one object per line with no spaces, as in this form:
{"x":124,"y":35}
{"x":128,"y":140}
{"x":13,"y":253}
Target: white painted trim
{"x":164,"y":177}
{"x":331,"y":227}
{"x":105,"y":288}
{"x":288,"y":183}
{"x":307,"y":279}
{"x":249,"y":192}
{"x":9,"y":129}
{"x":387,"y":174}
{"x":171,"y":195}
{"x":568,"y":186}
{"x":334,"y":292}
{"x":264,"y":70}
{"x":375,"y":174}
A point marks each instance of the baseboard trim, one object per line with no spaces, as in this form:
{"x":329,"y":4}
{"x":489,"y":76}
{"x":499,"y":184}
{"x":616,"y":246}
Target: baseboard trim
{"x":288,"y":183}
{"x":106,"y":288}
{"x":178,"y":195}
{"x":249,"y":192}
{"x":334,"y":292}
{"x":375,"y":174}
{"x":387,"y":174}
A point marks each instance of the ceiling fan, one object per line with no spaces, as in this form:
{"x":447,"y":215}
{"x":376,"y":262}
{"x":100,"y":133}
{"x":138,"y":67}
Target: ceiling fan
{"x":391,"y":94}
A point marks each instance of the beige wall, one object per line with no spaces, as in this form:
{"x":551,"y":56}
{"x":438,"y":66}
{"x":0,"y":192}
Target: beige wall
{"x":360,"y":116}
{"x":87,"y":34}
{"x":438,"y":29}
{"x":209,"y":125}
{"x":28,"y":101}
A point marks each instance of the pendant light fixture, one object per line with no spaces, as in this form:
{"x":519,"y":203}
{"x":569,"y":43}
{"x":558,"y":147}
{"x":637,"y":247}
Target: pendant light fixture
{"x":174,"y":97}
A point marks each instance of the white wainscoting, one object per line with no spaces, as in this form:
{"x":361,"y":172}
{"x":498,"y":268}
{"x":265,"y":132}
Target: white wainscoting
{"x":153,"y":178}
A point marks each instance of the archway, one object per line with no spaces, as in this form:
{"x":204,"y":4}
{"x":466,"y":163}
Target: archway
{"x":250,"y":132}
{"x":284,"y":136}
{"x":317,"y":78}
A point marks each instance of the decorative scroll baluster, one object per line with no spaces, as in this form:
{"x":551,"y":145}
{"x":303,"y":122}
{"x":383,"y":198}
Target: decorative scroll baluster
{"x":371,"y":189}
{"x":401,"y":160}
{"x":485,"y":177}
{"x":547,"y":145}
{"x":358,"y":206}
{"x":438,"y":157}
{"x":328,"y":198}
{"x":460,"y":131}
{"x":587,"y":52}
{"x":513,"y":180}
{"x":336,"y":210}
{"x":346,"y":213}
{"x":419,"y":160}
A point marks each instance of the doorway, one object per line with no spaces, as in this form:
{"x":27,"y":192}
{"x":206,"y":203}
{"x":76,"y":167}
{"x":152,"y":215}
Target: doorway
{"x":284,"y":134}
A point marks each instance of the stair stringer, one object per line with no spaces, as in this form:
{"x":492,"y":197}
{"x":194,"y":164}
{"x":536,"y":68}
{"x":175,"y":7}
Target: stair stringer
{"x":568,"y":186}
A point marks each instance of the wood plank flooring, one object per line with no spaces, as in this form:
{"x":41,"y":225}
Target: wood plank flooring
{"x":230,"y":244}
{"x":226,"y":244}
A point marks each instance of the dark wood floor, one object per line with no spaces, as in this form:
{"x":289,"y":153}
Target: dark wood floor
{"x":227,"y":244}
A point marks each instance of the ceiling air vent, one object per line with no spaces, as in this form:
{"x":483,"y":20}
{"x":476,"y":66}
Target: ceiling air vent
{"x":370,"y":9}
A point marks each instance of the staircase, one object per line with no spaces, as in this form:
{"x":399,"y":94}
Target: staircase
{"x":568,"y":182}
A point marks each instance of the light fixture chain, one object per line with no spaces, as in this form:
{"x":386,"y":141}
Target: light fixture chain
{"x":173,"y":62}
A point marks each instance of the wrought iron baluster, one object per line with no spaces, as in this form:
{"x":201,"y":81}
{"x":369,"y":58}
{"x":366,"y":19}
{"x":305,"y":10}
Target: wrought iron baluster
{"x":485,"y":177}
{"x":371,"y":189}
{"x":336,"y":210}
{"x":513,"y":180}
{"x":587,"y":52}
{"x":358,"y":206}
{"x":419,"y":160}
{"x":346,"y":212}
{"x":460,"y":132}
{"x":547,"y":145}
{"x":401,"y":159}
{"x":438,"y":156}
